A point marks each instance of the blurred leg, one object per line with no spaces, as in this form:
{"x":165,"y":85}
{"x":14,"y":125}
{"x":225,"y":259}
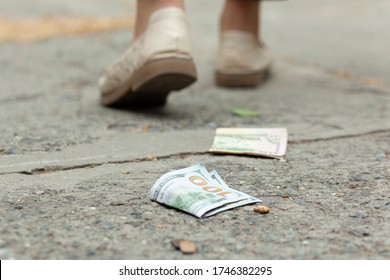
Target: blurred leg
{"x":242,"y":15}
{"x":243,"y":60}
{"x":147,"y":7}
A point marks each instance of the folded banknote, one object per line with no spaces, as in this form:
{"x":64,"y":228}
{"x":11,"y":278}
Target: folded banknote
{"x":196,"y":191}
{"x":267,"y":142}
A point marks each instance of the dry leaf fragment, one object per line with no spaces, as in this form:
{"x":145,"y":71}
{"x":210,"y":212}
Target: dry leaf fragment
{"x":184,"y":246}
{"x":146,"y":128}
{"x":261,"y":209}
{"x":151,"y":158}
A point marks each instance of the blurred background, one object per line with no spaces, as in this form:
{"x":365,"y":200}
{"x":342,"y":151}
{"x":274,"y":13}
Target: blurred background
{"x":349,"y":36}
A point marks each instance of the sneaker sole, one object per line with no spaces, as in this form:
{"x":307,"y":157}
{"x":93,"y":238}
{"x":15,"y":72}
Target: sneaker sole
{"x":241,"y":80}
{"x":151,"y":84}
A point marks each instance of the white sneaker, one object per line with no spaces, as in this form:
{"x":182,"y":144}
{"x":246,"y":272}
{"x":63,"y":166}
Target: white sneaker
{"x":159,"y":62}
{"x":242,"y":61}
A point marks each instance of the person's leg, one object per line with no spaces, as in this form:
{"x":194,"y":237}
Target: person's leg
{"x":243,"y":59}
{"x":241,"y":15}
{"x":147,"y":7}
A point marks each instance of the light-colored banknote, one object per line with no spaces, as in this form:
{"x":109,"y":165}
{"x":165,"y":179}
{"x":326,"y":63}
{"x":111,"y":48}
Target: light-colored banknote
{"x":218,"y":180}
{"x":195,"y":191}
{"x":267,"y":142}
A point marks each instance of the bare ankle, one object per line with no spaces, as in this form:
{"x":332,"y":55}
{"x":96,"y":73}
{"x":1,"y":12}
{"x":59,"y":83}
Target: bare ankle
{"x":145,"y":8}
{"x":241,"y":15}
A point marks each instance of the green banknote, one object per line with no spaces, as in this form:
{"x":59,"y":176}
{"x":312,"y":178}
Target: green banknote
{"x":268,"y":142}
{"x":196,"y":191}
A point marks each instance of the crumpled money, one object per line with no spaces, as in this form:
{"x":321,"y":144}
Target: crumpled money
{"x":196,"y":191}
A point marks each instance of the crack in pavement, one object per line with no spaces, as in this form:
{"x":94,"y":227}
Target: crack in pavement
{"x":349,"y":136}
{"x":52,"y":169}
{"x":21,"y":98}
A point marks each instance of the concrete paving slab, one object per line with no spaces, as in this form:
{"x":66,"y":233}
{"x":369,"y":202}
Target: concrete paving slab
{"x":350,"y":35}
{"x":130,"y":147}
{"x":335,"y":206}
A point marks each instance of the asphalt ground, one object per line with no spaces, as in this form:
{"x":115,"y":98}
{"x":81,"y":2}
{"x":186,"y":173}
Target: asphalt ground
{"x":75,"y":176}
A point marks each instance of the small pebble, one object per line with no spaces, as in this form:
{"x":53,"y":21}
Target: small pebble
{"x":184,"y":246}
{"x":14,"y":151}
{"x":151,"y":158}
{"x":91,"y":253}
{"x":146,"y":128}
{"x":261,"y":209}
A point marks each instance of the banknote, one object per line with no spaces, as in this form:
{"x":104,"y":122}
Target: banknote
{"x":195,"y":191}
{"x":267,"y":142}
{"x":218,"y":180}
